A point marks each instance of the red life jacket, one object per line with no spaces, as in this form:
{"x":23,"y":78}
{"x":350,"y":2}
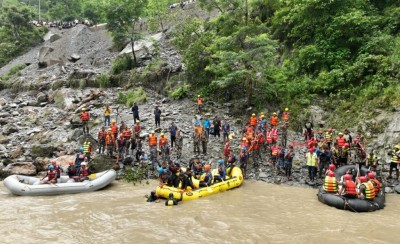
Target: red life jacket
{"x":253,"y":120}
{"x":340,"y":141}
{"x":51,"y":175}
{"x":269,"y":137}
{"x":260,"y":138}
{"x":377,"y":185}
{"x":274,"y":120}
{"x":274,"y":132}
{"x":101,"y":135}
{"x":226,"y":149}
{"x":275,"y":151}
{"x":350,"y":188}
{"x":114,"y":128}
{"x":136,"y":128}
{"x":285,"y":116}
{"x":127,"y":134}
{"x":85,"y":116}
{"x":84,"y":172}
{"x":255,"y":145}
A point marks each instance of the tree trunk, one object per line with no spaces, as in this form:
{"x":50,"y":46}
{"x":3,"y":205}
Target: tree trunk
{"x":246,"y":14}
{"x":133,"y":52}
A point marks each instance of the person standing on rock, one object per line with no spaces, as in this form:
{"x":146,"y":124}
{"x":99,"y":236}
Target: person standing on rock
{"x":110,"y":142}
{"x":288,"y":162}
{"x":101,"y":138}
{"x":204,"y":141}
{"x":217,"y":127}
{"x":226,"y":128}
{"x":122,"y":127}
{"x":207,"y":125}
{"x":179,"y":144}
{"x":121,"y":143}
{"x":172,"y":131}
{"x":311,"y":158}
{"x":157,"y":116}
{"x":196,"y":141}
{"x":87,"y":148}
{"x":199,"y":104}
{"x":114,"y":128}
{"x":85,"y":120}
{"x":127,"y":136}
{"x":135,"y":112}
{"x":107,"y":113}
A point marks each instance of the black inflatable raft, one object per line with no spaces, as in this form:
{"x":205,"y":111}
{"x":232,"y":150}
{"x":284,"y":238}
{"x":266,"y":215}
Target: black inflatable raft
{"x":354,"y":205}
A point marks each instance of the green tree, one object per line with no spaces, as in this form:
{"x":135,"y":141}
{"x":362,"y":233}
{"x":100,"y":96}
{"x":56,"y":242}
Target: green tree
{"x":123,"y":17}
{"x":157,"y":12}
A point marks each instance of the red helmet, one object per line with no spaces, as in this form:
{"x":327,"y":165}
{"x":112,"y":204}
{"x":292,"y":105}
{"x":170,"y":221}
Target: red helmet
{"x":363,"y":178}
{"x":311,"y":150}
{"x":347,"y":177}
{"x":53,"y":162}
{"x":346,"y":145}
{"x":355,"y":140}
{"x":207,"y":167}
{"x":332,"y":167}
{"x":331,"y":174}
{"x":330,"y":129}
{"x":371,"y":175}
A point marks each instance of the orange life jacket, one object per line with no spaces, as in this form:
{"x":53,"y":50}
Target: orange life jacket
{"x":340,"y":141}
{"x":163,"y":141}
{"x":285,"y":116}
{"x":84,"y":116}
{"x":114,"y":128}
{"x":350,"y":188}
{"x":253,"y":120}
{"x":109,"y":139}
{"x":274,"y":121}
{"x":377,"y":185}
{"x":152,"y":140}
{"x":127,"y":134}
{"x":274,"y":151}
{"x":200,"y":101}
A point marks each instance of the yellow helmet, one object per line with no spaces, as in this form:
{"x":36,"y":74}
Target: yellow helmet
{"x":152,"y":132}
{"x":397,"y":147}
{"x":83,"y":109}
{"x":262,"y":113}
{"x":274,"y":113}
{"x":109,"y":129}
{"x":137,"y":121}
{"x":162,"y":133}
{"x":231,"y":136}
{"x":262,"y":116}
{"x":198,"y":96}
{"x":286,"y":109}
{"x":340,"y":134}
{"x":113,"y":121}
{"x":253,"y":114}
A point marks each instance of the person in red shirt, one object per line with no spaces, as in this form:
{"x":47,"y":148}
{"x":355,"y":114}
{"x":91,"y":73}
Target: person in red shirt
{"x":85,"y":120}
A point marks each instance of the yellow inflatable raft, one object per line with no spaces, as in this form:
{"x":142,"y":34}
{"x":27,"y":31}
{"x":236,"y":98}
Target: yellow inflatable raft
{"x":235,"y":181}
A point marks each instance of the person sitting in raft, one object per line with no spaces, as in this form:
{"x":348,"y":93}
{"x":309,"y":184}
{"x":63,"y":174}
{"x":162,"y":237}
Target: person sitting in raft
{"x":375,"y":183}
{"x":153,"y":197}
{"x":189,"y":174}
{"x":171,"y":201}
{"x":330,"y":183}
{"x":198,"y":171}
{"x":348,"y":187}
{"x":185,"y":182}
{"x":173,"y":179}
{"x":162,"y":175}
{"x":84,"y":172}
{"x":51,"y":176}
{"x":208,"y":179}
{"x":231,"y":163}
{"x":331,"y":168}
{"x":221,"y":171}
{"x":365,"y":189}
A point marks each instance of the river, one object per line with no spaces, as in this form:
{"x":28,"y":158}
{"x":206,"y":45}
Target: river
{"x":254,"y":213}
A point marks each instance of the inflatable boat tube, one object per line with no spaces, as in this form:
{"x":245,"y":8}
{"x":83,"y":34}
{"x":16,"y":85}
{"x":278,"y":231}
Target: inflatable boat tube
{"x":354,"y":205}
{"x":235,"y":181}
{"x":30,"y":186}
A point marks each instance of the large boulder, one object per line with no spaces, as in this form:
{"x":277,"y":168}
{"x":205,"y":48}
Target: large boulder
{"x":76,"y":134}
{"x":20,"y":168}
{"x":43,"y":150}
{"x":101,"y":163}
{"x":41,"y":163}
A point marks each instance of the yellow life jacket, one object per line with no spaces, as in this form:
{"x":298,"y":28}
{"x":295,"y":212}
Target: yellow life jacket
{"x":86,"y":147}
{"x":369,"y":190}
{"x":395,"y":157}
{"x":311,"y":159}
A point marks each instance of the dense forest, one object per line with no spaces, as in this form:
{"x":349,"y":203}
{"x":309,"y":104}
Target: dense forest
{"x":345,"y":54}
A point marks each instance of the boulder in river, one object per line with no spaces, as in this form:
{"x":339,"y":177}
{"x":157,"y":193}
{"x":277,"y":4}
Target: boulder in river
{"x":20,"y":168}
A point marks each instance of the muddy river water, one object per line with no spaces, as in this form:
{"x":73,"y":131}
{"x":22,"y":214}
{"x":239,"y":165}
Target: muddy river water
{"x":254,"y":213}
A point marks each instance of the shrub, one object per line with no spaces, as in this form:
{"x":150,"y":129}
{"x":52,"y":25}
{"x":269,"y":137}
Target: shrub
{"x":103,"y":81}
{"x":180,"y":92}
{"x":131,"y":96}
{"x":121,"y":64}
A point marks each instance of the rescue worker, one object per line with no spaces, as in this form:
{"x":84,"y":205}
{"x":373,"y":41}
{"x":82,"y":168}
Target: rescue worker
{"x":275,"y":149}
{"x":394,"y":161}
{"x":196,"y":141}
{"x":331,"y":168}
{"x":274,"y":120}
{"x":372,"y":161}
{"x":122,"y":127}
{"x":101,"y":138}
{"x":51,"y":176}
{"x":110,"y":142}
{"x":157,"y":116}
{"x":85,"y":120}
{"x":163,"y":146}
{"x":328,"y":137}
{"x":348,"y":187}
{"x":171,"y":201}
{"x":208,"y":178}
{"x":375,"y":183}
{"x":253,"y":121}
{"x":172,"y":131}
{"x":330,"y":183}
{"x":285,"y":116}
{"x":87,"y":148}
{"x":221,"y":171}
{"x":365,"y":189}
{"x":204,"y":141}
{"x":80,"y":157}
{"x":135,"y":112}
{"x":340,"y":140}
{"x":347,"y":137}
{"x":152,"y":140}
{"x":121,"y":143}
{"x":84,"y":172}
{"x":137,"y":129}
{"x":217,"y":127}
{"x":361,"y":138}
{"x":231,"y":163}
{"x":312,"y":161}
{"x":199,"y":104}
{"x":107,"y":113}
{"x":319,"y":137}
{"x":324,"y":159}
{"x":153,"y":197}
{"x":114,"y":128}
{"x":127,"y":134}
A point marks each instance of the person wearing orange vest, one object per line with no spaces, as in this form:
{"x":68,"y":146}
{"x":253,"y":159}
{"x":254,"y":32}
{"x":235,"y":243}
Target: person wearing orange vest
{"x":348,"y":187}
{"x":199,"y":104}
{"x":152,"y":140}
{"x":101,"y":138}
{"x":375,"y":183}
{"x":274,"y":120}
{"x":274,"y":133}
{"x":127,"y":134}
{"x":163,"y":140}
{"x":85,"y":120}
{"x":110,"y":142}
{"x":253,"y":120}
{"x":285,"y":115}
{"x":274,"y":154}
{"x":340,"y":140}
{"x":114,"y":128}
{"x":255,"y":148}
